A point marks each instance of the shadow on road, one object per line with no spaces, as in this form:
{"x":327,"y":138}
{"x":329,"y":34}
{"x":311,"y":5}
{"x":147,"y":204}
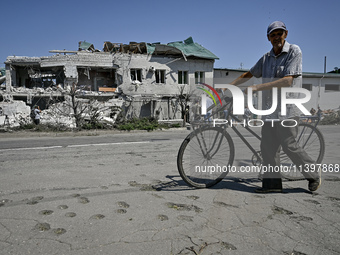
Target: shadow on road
{"x":237,"y":184}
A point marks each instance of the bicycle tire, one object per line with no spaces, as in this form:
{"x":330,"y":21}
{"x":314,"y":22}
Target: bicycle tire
{"x":220,"y":147}
{"x":312,"y":141}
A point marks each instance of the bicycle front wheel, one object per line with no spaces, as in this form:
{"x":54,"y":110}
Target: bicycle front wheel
{"x":311,"y":140}
{"x":205,"y":157}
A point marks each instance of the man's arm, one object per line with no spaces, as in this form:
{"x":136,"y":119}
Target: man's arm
{"x":242,"y":79}
{"x":280,"y":83}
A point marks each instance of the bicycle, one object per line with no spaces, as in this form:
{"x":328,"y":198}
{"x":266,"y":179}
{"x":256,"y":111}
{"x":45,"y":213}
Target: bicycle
{"x":209,"y":146}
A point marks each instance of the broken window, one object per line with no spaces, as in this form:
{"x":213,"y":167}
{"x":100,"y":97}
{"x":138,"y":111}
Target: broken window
{"x":160,"y":76}
{"x":95,"y":79}
{"x":136,"y":74}
{"x":199,"y":77}
{"x":182,"y":77}
{"x":34,"y":76}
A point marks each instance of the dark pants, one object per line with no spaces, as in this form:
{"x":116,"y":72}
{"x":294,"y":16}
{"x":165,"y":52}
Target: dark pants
{"x":276,"y":138}
{"x":36,"y":121}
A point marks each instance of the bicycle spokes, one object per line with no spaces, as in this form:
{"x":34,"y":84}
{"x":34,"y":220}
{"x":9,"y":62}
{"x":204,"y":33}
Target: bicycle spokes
{"x":209,"y":144}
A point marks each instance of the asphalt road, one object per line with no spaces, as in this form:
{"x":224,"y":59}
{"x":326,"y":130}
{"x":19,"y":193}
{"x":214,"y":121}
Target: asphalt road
{"x":120,"y":193}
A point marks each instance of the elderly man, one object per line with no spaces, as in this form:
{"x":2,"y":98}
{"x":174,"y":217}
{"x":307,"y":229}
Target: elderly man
{"x":280,"y":67}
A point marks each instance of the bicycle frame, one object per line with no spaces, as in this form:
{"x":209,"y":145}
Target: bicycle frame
{"x":230,"y":116}
{"x":210,"y":147}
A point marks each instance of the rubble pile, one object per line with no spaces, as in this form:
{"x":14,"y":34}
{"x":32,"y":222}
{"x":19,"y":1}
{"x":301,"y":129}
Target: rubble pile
{"x":58,"y":114}
{"x":16,"y":113}
{"x":331,"y":117}
{"x":89,"y":110}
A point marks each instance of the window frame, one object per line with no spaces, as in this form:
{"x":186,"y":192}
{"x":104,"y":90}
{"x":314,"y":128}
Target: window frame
{"x":199,"y":77}
{"x":160,"y":76}
{"x":330,"y":89}
{"x":137,"y":72}
{"x":183,"y":77}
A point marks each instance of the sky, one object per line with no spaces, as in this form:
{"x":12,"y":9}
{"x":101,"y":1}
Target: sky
{"x":235,"y":31}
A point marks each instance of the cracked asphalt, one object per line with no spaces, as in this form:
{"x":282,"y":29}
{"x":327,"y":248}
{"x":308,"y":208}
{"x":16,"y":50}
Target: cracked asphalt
{"x":120,"y":193}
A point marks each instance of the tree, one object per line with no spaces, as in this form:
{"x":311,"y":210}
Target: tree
{"x":184,"y":98}
{"x":72,"y":106}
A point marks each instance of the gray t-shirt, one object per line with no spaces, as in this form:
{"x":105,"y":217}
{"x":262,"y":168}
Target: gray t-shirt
{"x":271,"y":68}
{"x":36,"y":114}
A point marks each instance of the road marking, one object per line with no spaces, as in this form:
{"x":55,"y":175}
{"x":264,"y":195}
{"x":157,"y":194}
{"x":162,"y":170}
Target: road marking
{"x":32,"y":148}
{"x":72,"y":146}
{"x":101,"y":144}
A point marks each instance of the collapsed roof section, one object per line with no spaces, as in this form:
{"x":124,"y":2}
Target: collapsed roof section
{"x":86,"y":46}
{"x":187,"y":48}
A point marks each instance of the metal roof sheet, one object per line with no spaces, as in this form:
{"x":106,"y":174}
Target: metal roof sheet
{"x":188,"y":48}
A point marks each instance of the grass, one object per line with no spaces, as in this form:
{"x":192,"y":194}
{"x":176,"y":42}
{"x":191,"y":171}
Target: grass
{"x":148,"y":124}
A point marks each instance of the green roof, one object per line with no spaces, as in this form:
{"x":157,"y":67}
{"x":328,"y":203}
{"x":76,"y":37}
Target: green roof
{"x":188,"y":48}
{"x":86,"y":46}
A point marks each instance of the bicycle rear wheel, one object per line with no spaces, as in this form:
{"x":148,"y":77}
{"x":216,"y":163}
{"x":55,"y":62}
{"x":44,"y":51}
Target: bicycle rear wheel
{"x":205,"y":157}
{"x":311,"y":140}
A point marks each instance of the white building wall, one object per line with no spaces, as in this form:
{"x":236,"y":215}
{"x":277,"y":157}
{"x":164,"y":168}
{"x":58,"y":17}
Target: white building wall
{"x":320,"y":96}
{"x":159,"y":100}
{"x":171,"y":66}
{"x":123,"y":63}
{"x":225,"y":76}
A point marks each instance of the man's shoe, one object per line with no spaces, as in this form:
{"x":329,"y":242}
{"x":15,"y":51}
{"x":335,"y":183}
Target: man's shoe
{"x":265,"y":190}
{"x":314,"y":184}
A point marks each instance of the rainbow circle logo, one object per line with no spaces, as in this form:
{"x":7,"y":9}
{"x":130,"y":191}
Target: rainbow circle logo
{"x":209,"y":93}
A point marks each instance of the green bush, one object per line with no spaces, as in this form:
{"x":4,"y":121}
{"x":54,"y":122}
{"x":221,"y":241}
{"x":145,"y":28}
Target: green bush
{"x":148,"y":124}
{"x":27,"y":126}
{"x":95,"y":125}
{"x":177,"y":125}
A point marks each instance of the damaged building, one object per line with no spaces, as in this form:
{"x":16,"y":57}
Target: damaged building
{"x":145,"y":79}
